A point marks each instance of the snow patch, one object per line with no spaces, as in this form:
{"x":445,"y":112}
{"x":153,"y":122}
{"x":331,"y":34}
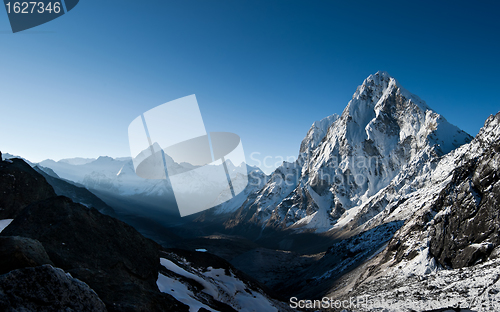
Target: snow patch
{"x":5,"y":223}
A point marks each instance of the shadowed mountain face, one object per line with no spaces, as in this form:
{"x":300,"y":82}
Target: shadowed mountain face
{"x":20,"y":185}
{"x":115,"y":182}
{"x":102,"y":251}
{"x":136,"y":199}
{"x":112,"y":266}
{"x":78,"y":194}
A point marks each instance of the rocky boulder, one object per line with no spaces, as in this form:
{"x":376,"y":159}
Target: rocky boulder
{"x":46,"y":288}
{"x":110,"y":256}
{"x":20,"y":252}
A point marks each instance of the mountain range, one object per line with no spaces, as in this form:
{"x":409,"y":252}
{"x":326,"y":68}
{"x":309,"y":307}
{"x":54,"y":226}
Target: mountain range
{"x":387,"y":201}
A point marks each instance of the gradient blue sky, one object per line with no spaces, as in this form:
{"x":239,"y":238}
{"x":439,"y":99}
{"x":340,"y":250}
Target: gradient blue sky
{"x":265,"y":70}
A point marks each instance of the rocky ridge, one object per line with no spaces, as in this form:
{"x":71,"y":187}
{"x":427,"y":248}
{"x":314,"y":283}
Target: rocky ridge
{"x":447,"y":252}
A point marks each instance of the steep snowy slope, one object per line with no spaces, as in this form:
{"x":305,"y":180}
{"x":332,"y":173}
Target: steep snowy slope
{"x":204,"y":281}
{"x":316,"y":133}
{"x":447,"y":252}
{"x":258,"y":205}
{"x":383,"y":132}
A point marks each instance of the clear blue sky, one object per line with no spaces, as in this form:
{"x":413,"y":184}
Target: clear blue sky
{"x":268,"y":69}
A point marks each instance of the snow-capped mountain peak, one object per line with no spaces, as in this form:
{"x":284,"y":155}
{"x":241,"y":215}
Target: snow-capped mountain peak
{"x":344,"y":161}
{"x":317,"y":132}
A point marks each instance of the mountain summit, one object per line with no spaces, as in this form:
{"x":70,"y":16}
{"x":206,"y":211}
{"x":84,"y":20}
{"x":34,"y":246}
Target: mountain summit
{"x":383,"y":132}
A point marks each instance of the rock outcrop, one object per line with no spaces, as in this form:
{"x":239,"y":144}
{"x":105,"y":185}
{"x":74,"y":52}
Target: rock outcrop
{"x":112,"y":257}
{"x":45,"y":288}
{"x":20,"y":185}
{"x":468,"y":228}
{"x":20,"y":252}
